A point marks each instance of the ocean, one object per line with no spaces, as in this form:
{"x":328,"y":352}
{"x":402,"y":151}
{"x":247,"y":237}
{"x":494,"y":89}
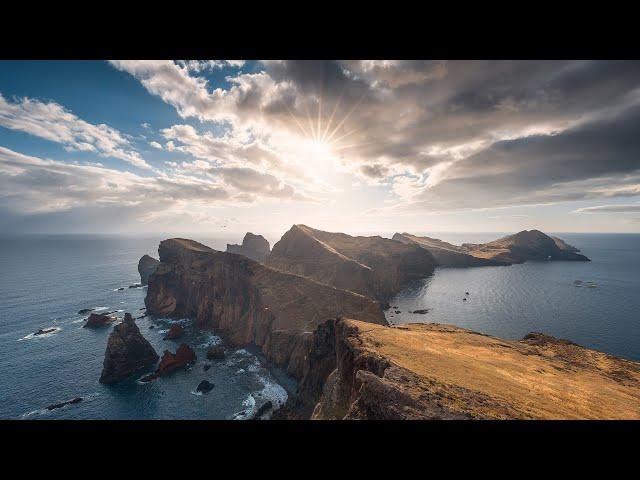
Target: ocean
{"x":46,"y":280}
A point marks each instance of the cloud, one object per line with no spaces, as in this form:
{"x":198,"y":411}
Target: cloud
{"x":632,"y":208}
{"x":441,"y":135}
{"x":53,"y":122}
{"x":156,"y":145}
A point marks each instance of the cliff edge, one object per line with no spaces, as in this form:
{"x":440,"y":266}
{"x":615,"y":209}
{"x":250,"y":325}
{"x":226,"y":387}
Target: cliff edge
{"x":247,"y":302}
{"x":431,"y":371}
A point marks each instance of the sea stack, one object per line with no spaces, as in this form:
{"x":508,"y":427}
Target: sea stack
{"x":146,"y":266}
{"x":255,"y":247}
{"x":127,"y":351}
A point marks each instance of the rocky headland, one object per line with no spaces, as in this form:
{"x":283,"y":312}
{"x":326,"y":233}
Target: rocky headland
{"x":517,"y":248}
{"x":146,"y":266}
{"x":127,"y":352}
{"x":373,"y":266}
{"x":255,"y":247}
{"x":247,"y":302}
{"x":358,"y":370}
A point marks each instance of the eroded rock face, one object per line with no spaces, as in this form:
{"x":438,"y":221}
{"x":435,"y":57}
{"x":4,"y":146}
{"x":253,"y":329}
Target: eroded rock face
{"x":127,"y":352}
{"x":425,"y":371}
{"x":373,"y":266}
{"x":255,"y":247}
{"x":247,"y":302}
{"x":146,"y":266}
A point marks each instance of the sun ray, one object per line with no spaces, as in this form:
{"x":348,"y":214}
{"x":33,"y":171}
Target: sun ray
{"x":345,"y":118}
{"x":333,"y":113}
{"x":304,"y":132}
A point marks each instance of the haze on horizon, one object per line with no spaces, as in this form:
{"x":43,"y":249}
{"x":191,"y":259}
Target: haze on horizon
{"x":354,"y":146}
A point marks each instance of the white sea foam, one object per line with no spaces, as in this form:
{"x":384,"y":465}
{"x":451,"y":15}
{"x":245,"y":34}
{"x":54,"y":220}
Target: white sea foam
{"x":99,"y":309}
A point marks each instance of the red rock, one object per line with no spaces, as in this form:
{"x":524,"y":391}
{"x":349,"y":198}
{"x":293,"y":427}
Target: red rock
{"x":173,"y":361}
{"x":175,"y":332}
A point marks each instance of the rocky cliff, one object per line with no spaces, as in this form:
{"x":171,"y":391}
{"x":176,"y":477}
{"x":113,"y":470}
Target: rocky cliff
{"x":373,"y":266}
{"x":146,"y":266}
{"x":358,"y":370}
{"x":255,"y":247}
{"x":447,"y":254}
{"x":127,"y":352}
{"x":526,"y":245}
{"x":247,"y":302}
{"x":517,"y":248}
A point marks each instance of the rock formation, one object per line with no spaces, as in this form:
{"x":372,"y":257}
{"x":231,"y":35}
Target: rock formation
{"x":255,"y":247}
{"x":357,"y":370}
{"x":526,"y":245}
{"x":373,"y":266}
{"x":127,"y":351}
{"x":517,"y":248}
{"x":175,"y":332}
{"x":146,"y":266}
{"x":97,"y":320}
{"x":171,"y":362}
{"x":447,"y":254}
{"x":247,"y":302}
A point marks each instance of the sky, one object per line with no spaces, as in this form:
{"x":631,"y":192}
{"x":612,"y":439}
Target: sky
{"x":228,"y":146}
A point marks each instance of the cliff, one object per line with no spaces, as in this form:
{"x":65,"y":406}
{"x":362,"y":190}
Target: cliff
{"x":373,"y":266}
{"x":146,"y":266}
{"x":447,"y":254}
{"x":526,"y":245}
{"x":247,"y":302}
{"x":358,"y":370}
{"x":517,"y":248}
{"x":255,"y":247}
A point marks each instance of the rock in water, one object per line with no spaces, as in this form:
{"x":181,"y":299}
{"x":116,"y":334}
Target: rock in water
{"x":84,"y":311}
{"x":255,"y":247}
{"x":170,"y":362}
{"x":175,"y":332}
{"x":215,"y":352}
{"x":63,"y":404}
{"x":204,"y":386}
{"x":146,"y":266}
{"x":264,"y":408}
{"x":127,"y":351}
{"x":97,"y":320}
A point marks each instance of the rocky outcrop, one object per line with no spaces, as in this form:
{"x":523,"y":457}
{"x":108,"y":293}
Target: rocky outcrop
{"x":526,"y":245}
{"x":146,"y":266}
{"x":127,"y":352}
{"x":175,"y":332}
{"x":97,"y":320}
{"x":357,"y":370}
{"x":170,"y":362}
{"x":447,"y":254}
{"x":247,"y":302}
{"x":517,"y":248}
{"x":373,"y":266}
{"x":255,"y":247}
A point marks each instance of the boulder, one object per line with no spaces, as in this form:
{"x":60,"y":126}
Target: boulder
{"x":175,"y":332}
{"x":205,"y":386}
{"x":171,"y":362}
{"x":215,"y":352}
{"x":127,"y":352}
{"x":97,"y":320}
